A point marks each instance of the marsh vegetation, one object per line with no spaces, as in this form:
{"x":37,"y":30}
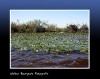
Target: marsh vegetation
{"x":38,"y":42}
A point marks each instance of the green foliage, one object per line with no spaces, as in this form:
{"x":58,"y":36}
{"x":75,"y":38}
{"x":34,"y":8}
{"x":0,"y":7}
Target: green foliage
{"x":72,"y":28}
{"x":37,"y":26}
{"x":84,"y":28}
{"x":14,"y":27}
{"x":51,"y":28}
{"x":50,"y":42}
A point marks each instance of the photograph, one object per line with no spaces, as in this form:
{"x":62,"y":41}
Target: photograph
{"x":49,"y":39}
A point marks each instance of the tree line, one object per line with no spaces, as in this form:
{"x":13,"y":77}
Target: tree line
{"x":38,"y":26}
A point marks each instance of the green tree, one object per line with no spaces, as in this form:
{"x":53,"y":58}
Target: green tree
{"x":72,"y":28}
{"x":14,"y":27}
{"x":84,"y":28}
{"x":51,"y":28}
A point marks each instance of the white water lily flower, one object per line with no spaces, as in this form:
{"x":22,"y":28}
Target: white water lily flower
{"x":36,"y":50}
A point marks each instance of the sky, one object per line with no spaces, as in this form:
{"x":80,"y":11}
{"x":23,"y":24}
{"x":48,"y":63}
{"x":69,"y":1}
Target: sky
{"x":59,"y":17}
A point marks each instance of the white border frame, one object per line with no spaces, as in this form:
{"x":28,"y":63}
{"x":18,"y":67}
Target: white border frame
{"x":54,"y":67}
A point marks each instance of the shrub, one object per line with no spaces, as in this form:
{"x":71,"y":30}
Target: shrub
{"x":84,"y":28}
{"x":72,"y":28}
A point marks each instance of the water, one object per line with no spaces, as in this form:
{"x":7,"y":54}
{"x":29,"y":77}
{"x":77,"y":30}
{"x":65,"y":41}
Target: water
{"x":24,"y":59}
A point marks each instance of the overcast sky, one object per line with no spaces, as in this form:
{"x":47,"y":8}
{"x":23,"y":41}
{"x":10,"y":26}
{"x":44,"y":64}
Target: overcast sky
{"x":59,"y":17}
